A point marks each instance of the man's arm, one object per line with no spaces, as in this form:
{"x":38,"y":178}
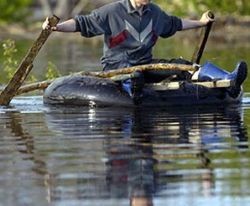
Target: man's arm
{"x":191,"y":24}
{"x":66,"y":26}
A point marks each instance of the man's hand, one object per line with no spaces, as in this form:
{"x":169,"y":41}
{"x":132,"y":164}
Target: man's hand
{"x":47,"y":26}
{"x":204,"y":20}
{"x":207,"y":17}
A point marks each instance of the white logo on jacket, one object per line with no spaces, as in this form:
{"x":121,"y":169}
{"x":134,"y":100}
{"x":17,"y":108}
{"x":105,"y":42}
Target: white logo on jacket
{"x":139,"y":36}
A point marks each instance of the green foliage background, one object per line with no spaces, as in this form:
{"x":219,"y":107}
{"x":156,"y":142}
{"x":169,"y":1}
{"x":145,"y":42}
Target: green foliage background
{"x":14,"y":10}
{"x":195,"y":7}
{"x":18,"y":10}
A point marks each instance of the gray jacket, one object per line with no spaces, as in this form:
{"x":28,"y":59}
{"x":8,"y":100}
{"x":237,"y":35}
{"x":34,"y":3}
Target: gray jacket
{"x":128,"y":37}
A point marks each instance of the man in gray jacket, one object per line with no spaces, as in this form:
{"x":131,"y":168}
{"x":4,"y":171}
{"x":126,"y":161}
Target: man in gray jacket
{"x":131,"y":29}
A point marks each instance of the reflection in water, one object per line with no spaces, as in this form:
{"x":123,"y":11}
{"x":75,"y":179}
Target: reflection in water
{"x":20,"y":178}
{"x":142,"y":154}
{"x":26,"y":142}
{"x":134,"y":156}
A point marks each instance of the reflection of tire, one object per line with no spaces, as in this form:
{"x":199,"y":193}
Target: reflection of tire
{"x":85,"y":90}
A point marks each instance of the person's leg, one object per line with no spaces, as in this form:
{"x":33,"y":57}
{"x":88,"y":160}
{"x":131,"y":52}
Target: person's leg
{"x":131,"y":84}
{"x":210,"y":72}
{"x":134,"y":86}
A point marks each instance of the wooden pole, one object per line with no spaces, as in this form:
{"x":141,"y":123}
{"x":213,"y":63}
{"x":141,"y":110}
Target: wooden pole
{"x":203,"y":40}
{"x":34,"y":86}
{"x":141,"y":68}
{"x":26,"y":65}
{"x":111,"y":73}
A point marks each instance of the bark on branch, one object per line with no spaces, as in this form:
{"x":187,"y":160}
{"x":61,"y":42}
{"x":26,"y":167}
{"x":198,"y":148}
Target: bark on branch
{"x":141,"y":68}
{"x":110,"y":74}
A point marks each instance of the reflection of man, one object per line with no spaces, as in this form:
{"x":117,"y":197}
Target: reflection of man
{"x":141,"y":201}
{"x":131,"y":173}
{"x":131,"y":166}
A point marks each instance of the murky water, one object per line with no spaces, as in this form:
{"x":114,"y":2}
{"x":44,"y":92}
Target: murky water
{"x":117,"y":156}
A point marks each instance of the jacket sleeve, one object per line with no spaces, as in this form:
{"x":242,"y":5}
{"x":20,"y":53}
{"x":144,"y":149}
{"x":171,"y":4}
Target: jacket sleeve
{"x":92,"y":25}
{"x":170,"y":25}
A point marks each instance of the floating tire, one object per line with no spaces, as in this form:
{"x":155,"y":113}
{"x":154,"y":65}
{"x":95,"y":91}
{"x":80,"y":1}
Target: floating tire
{"x":84,"y":91}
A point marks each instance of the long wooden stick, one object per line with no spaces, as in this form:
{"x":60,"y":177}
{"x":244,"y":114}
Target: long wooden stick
{"x":141,"y":68}
{"x":26,"y":65}
{"x":110,"y":74}
{"x":204,"y":37}
{"x":34,"y":86}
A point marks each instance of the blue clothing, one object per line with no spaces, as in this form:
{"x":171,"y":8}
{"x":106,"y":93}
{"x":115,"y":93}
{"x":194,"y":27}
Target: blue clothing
{"x":128,"y":36}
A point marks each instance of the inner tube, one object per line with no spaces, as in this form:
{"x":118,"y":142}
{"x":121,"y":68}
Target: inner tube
{"x":86,"y":91}
{"x":79,"y":90}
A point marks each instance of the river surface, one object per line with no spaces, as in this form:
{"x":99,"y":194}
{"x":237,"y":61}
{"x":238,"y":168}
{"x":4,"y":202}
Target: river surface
{"x":117,"y":156}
